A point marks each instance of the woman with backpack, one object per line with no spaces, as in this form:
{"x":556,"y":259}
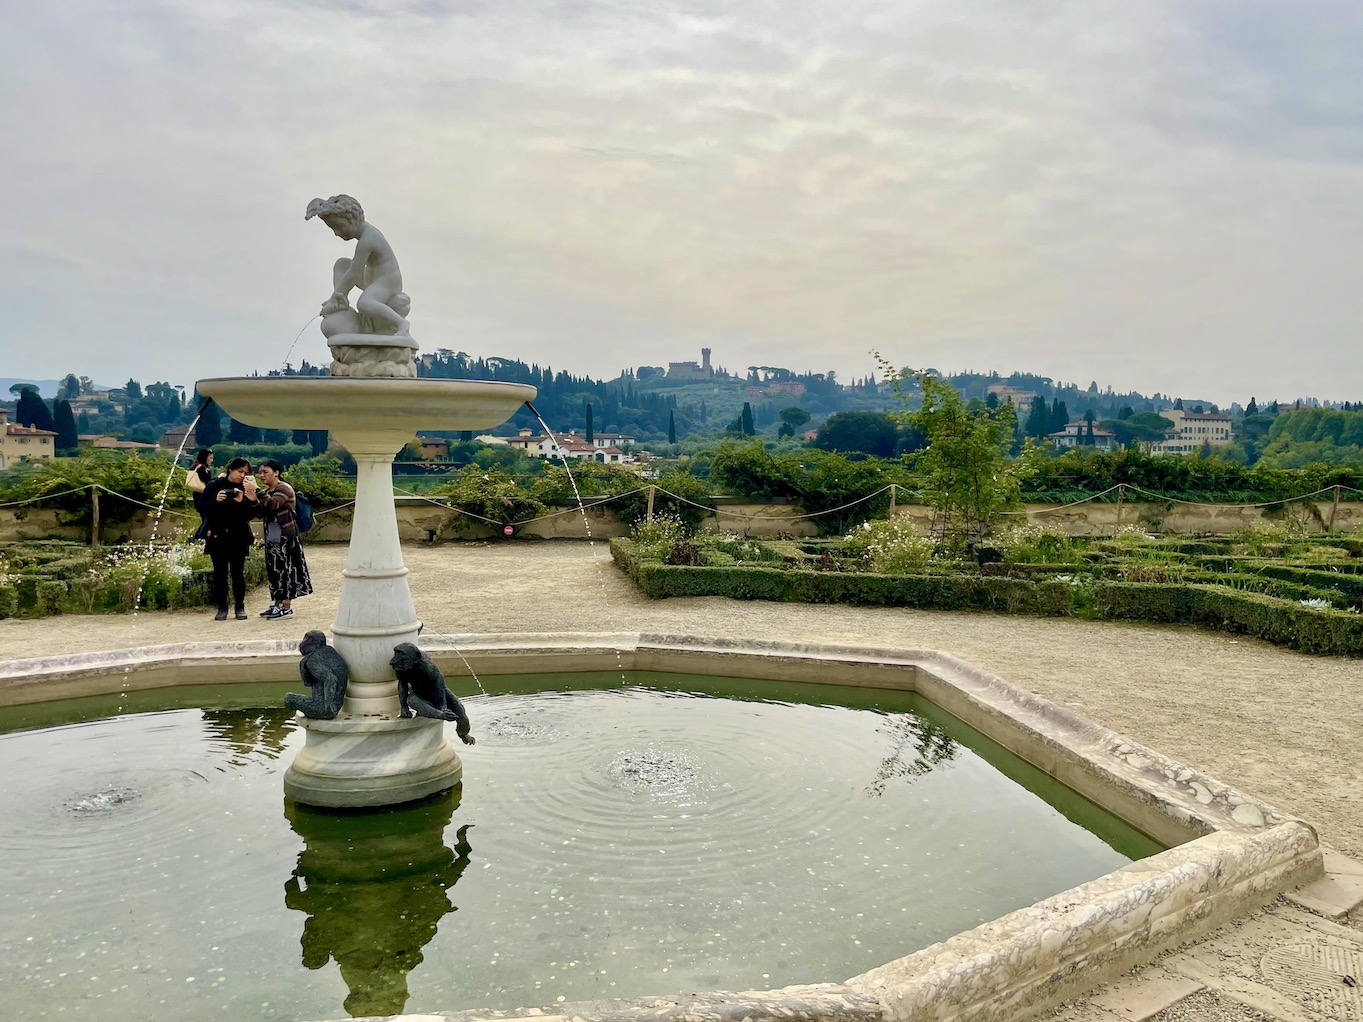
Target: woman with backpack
{"x":285,"y":566}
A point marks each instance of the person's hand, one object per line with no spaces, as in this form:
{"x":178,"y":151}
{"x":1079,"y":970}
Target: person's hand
{"x":236,"y":495}
{"x":221,"y":496}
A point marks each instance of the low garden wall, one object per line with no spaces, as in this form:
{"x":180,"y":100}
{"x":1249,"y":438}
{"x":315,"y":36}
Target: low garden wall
{"x":422,"y":520}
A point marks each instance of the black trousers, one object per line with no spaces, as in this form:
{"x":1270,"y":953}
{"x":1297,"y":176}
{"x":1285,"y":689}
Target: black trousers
{"x":229,"y":562}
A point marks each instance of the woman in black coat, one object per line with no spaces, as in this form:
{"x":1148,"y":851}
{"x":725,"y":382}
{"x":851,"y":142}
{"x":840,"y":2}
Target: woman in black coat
{"x":228,"y":503}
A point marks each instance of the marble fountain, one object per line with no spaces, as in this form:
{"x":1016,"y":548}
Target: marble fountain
{"x":1224,"y":852}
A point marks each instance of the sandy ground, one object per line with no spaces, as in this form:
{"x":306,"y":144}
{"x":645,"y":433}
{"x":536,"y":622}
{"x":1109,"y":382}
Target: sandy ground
{"x":1280,"y":725}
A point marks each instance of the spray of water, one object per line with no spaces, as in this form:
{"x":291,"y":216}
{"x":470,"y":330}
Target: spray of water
{"x":586,"y":521}
{"x":295,"y":340}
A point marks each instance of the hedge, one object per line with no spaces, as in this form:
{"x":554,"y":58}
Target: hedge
{"x":802,"y":585}
{"x":1282,"y":622}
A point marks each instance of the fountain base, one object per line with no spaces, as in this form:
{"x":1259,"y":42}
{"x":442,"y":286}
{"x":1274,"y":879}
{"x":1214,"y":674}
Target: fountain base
{"x":367,"y":762}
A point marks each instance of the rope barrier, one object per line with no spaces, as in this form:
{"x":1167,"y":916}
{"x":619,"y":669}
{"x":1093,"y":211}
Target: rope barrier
{"x":1060,"y":507}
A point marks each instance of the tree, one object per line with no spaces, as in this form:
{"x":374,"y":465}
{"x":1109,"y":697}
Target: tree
{"x":745,"y":420}
{"x":966,"y":477}
{"x":591,"y":433}
{"x":240,"y":433}
{"x":320,"y":440}
{"x":702,"y":410}
{"x":1178,"y":404}
{"x":33,"y":411}
{"x":172,"y":410}
{"x":70,"y":387}
{"x":1038,"y":419}
{"x":133,"y":389}
{"x":671,"y":428}
{"x":873,"y":433}
{"x":208,"y":430}
{"x":67,"y":440}
{"x":1251,"y":408}
{"x":1060,"y":416}
{"x":794,"y":417}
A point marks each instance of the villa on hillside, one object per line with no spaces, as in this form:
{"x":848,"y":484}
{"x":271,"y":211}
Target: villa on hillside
{"x":20,"y":443}
{"x":603,"y":447}
{"x":1191,"y":430}
{"x":1075,"y":434}
{"x":1014,"y":396}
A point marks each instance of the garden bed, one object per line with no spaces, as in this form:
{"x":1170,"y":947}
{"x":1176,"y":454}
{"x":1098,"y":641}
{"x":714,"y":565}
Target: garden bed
{"x":1308,"y":597}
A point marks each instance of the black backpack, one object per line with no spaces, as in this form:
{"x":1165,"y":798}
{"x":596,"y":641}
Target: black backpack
{"x":302,"y":515}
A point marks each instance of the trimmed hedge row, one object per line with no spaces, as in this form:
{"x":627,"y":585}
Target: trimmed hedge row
{"x":1282,"y":622}
{"x":802,"y":585}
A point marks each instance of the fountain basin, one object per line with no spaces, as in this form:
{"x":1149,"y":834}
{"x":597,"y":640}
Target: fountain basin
{"x":358,"y":404}
{"x":1230,"y":853}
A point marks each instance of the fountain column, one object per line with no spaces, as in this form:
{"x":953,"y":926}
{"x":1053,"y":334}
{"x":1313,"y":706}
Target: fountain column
{"x":375,"y":612}
{"x":370,"y":755}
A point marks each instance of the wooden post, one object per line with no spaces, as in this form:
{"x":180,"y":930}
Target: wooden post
{"x":94,"y":518}
{"x":651,"y":491}
{"x":893,"y":502}
{"x":1121,"y":492}
{"x":1334,"y":510}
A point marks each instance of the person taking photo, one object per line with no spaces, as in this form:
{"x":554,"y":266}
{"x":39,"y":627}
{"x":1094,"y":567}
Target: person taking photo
{"x":228,"y":503}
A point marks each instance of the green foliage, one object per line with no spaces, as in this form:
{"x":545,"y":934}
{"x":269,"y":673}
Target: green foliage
{"x":1283,"y":622}
{"x":749,"y":470}
{"x":889,"y":546}
{"x":964,"y":472}
{"x":657,"y":537}
{"x":691,"y":504}
{"x":1036,"y":544}
{"x":140,"y":477}
{"x":751,"y":582}
{"x":320,"y":480}
{"x":36,"y":580}
{"x":489,"y":496}
{"x":873,"y":433}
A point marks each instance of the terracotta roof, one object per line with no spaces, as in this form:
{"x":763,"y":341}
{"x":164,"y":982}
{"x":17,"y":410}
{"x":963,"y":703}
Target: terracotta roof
{"x":13,"y":429}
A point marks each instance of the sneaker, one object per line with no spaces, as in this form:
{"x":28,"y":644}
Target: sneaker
{"x":241,"y":614}
{"x":221,"y":615}
{"x":268,"y":611}
{"x":277,"y":612}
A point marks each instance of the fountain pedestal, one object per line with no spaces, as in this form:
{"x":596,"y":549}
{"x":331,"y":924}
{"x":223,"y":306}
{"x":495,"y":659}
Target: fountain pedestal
{"x":370,"y":755}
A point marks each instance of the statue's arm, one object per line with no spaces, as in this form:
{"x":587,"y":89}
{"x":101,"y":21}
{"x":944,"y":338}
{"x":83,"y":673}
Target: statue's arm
{"x":353,"y":276}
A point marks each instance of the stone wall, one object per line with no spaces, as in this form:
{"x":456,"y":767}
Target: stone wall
{"x":420,"y":520}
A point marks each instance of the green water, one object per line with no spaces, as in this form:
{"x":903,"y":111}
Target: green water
{"x":676,"y":833}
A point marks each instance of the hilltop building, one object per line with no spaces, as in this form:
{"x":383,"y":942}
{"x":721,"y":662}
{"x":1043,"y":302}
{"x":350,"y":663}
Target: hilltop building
{"x":1075,"y":434}
{"x":692,"y":370}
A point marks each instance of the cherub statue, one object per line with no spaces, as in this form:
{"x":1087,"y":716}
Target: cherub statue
{"x":374,"y":269}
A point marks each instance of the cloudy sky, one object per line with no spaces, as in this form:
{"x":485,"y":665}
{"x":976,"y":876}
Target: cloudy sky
{"x":1155,"y":195}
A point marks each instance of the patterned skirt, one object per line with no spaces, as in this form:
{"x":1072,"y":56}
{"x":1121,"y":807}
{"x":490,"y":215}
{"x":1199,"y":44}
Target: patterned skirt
{"x":286,"y":569}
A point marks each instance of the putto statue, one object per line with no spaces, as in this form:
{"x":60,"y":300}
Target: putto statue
{"x":372,"y":339}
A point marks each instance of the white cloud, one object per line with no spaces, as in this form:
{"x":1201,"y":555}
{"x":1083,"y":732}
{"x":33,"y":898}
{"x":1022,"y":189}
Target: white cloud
{"x":1160,"y":196}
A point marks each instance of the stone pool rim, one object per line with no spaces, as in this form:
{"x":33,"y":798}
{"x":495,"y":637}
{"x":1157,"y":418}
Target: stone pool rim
{"x":1229,"y":852}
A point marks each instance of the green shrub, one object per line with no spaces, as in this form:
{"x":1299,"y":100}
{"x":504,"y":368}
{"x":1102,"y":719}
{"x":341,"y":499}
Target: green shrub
{"x":1283,"y":622}
{"x":934,"y":592}
{"x":889,"y":547}
{"x":9,"y":603}
{"x":655,"y":537}
{"x":49,"y":595}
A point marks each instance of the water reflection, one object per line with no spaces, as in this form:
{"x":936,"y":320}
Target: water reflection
{"x":919,"y":745}
{"x":374,"y":886}
{"x":248,"y":733}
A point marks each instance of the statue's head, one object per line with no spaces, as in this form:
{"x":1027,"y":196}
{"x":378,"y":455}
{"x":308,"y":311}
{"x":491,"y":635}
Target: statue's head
{"x":343,"y":214}
{"x":405,"y":656}
{"x":312,"y":641}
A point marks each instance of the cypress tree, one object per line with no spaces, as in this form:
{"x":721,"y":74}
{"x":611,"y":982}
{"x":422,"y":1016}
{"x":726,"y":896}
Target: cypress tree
{"x":240,"y":433}
{"x":745,"y":420}
{"x":66,"y":427}
{"x":671,"y":428}
{"x":591,"y":432}
{"x":32,"y":411}
{"x":208,"y":432}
